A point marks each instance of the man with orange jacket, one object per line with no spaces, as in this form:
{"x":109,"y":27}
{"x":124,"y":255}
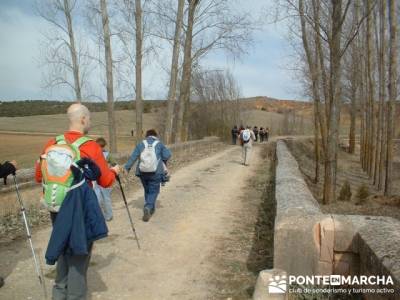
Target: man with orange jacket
{"x":70,"y":282}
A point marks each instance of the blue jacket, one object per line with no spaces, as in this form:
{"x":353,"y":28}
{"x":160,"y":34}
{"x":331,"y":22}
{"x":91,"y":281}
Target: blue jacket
{"x":80,"y":220}
{"x":162,"y":153}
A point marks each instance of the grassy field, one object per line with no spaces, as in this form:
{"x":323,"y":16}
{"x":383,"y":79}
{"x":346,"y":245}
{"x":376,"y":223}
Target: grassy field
{"x":23,"y":138}
{"x":125,"y":121}
{"x":26,"y":148}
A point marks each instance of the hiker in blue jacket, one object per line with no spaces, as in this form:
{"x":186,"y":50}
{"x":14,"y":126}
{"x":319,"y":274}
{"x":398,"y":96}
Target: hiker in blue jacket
{"x":76,"y":226}
{"x":152,"y":155}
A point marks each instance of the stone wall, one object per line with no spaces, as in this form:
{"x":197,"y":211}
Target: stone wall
{"x":308,"y":242}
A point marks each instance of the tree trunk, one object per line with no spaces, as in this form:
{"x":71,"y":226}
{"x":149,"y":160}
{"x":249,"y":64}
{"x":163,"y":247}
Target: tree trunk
{"x":334,"y":104}
{"x":169,"y":121}
{"x":371,"y":93}
{"x":72,"y":49}
{"x":379,"y":163}
{"x":313,"y":70}
{"x":109,"y":75}
{"x":138,"y":70}
{"x":184,"y":96}
{"x":392,"y":96}
{"x":354,"y":84}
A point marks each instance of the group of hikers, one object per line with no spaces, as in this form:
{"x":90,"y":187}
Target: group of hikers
{"x":246,"y":137}
{"x":261,"y":134}
{"x":77,"y":174}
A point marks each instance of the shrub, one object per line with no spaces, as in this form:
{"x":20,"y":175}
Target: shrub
{"x":362,"y":194}
{"x":345,"y":192}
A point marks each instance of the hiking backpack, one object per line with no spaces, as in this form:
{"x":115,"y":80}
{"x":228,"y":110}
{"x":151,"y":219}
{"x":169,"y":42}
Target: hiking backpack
{"x":148,"y":159}
{"x":246,"y":135}
{"x":57,"y":175}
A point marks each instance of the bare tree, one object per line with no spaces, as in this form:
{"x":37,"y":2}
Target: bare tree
{"x":215,"y":104}
{"x":380,"y":143}
{"x":354,"y":81}
{"x":109,"y":76}
{"x":392,"y":95}
{"x":211,"y":25}
{"x":169,"y":121}
{"x":314,"y":74}
{"x":138,"y":67}
{"x":181,"y":130}
{"x":61,"y":55}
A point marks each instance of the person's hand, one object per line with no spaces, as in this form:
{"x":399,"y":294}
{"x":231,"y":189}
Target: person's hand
{"x":116,"y":169}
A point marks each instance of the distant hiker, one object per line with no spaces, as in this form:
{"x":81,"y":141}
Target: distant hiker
{"x":262,"y":134}
{"x":255,"y":130}
{"x":78,"y":221}
{"x":104,"y":194}
{"x":234,"y":133}
{"x":1,"y":281}
{"x":247,"y":137}
{"x":132,"y":132}
{"x":7,"y":168}
{"x":266,"y":134}
{"x":151,"y":169}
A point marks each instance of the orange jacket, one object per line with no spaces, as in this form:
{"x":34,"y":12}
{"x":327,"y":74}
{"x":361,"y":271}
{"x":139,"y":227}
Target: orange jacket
{"x":90,"y":150}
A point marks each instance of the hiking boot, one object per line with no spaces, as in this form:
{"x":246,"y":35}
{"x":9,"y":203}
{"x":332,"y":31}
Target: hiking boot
{"x":152,"y":211}
{"x":146,"y":215}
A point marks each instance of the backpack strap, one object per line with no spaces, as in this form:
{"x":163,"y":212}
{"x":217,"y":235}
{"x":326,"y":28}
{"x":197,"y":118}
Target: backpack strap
{"x":79,"y":142}
{"x":60,"y":140}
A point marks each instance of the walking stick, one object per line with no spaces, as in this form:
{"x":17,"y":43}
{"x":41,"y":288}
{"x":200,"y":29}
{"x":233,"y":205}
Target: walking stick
{"x":127,"y":210}
{"x":28,"y":233}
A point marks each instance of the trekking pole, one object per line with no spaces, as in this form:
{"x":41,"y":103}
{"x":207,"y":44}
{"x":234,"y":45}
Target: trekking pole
{"x":127,"y":209}
{"x":28,"y":233}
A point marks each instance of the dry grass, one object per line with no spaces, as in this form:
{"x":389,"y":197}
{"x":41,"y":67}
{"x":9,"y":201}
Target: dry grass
{"x":349,"y":170}
{"x":125,"y":121}
{"x":26,"y":148}
{"x":32,"y":132}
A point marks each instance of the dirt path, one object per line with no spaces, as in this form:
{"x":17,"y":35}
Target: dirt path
{"x":194,"y":212}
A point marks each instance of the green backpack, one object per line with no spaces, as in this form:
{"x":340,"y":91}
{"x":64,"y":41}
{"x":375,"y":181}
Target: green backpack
{"x":55,"y":165}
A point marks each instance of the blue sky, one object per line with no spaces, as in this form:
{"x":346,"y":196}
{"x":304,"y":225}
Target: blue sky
{"x":261,"y":72}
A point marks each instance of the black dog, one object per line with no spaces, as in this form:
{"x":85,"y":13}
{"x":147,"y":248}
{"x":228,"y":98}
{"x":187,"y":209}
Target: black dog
{"x":6,"y":169}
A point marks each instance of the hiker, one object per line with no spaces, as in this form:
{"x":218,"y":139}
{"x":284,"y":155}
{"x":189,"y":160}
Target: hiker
{"x":7,"y":168}
{"x":247,"y":137}
{"x":266,"y":134}
{"x":71,"y":269}
{"x":262,"y":134}
{"x":104,"y":194}
{"x":151,"y":169}
{"x":255,"y":130}
{"x":234,"y":133}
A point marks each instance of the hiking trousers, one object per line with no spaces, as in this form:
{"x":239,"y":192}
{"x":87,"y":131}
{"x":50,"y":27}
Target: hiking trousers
{"x":151,"y":185}
{"x":70,"y":282}
{"x":246,"y":154}
{"x":71,"y":270}
{"x":104,"y":198}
